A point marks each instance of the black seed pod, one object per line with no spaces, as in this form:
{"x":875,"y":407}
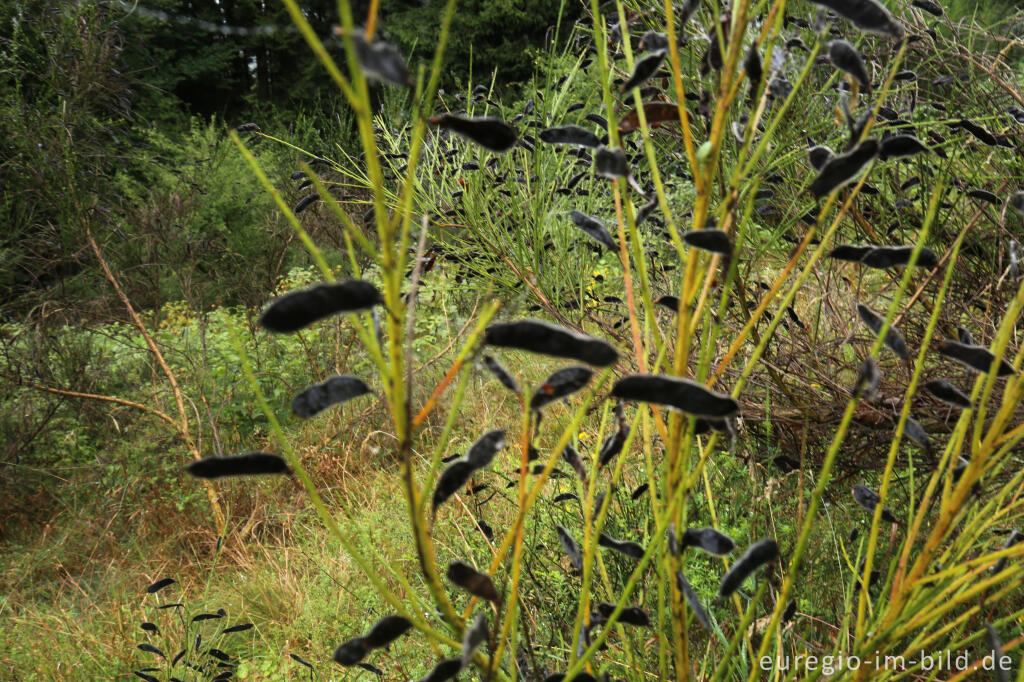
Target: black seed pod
{"x":571,"y":548}
{"x":301,"y":661}
{"x":757,"y":555}
{"x":754,"y":69}
{"x":575,"y":461}
{"x":476,"y":634}
{"x":819,"y":155}
{"x":708,"y":539}
{"x":246,"y":464}
{"x":709,"y":239}
{"x":1014,"y":538}
{"x":975,"y":357}
{"x":868,"y":377}
{"x":630,"y":549}
{"x":150,"y":649}
{"x":652,"y":41}
{"x":846,"y":58}
{"x":386,"y":630}
{"x":849,"y":252}
{"x":893,"y":339}
{"x":335,"y":390}
{"x":490,"y":133}
{"x":867,"y":15}
{"x":899,"y":146}
{"x":842,"y":170}
{"x":868,"y":498}
{"x":452,"y":478}
{"x":549,"y":339}
{"x":682,"y":394}
{"x":483,"y":450}
{"x":593,"y":228}
{"x":612,"y":446}
{"x":501,"y":374}
{"x":445,"y":670}
{"x":980,"y":133}
{"x":916,"y":433}
{"x":299,"y":309}
{"x":932,"y":8}
{"x":948,"y":393}
{"x":897,"y":256}
{"x":1017,"y":202}
{"x":160,"y":584}
{"x":570,"y":134}
{"x":305,"y":202}
{"x":644,"y":69}
{"x":693,"y":600}
{"x":380,"y":60}
{"x":631,"y":615}
{"x":984,"y":195}
{"x":351,"y":652}
{"x":611,"y":163}
{"x":476,"y":583}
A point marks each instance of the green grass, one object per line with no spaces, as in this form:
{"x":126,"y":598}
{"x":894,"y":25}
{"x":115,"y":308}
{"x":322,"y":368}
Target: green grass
{"x":297,"y":588}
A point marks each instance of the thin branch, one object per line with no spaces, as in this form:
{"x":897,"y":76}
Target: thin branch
{"x":104,"y":398}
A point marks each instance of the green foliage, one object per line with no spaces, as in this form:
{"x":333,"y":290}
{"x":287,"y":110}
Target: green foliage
{"x":487,"y":36}
{"x":190,"y":636}
{"x":186,"y":202}
{"x":223,"y":58}
{"x":984,"y":13}
{"x":47,"y":431}
{"x":63,"y":106}
{"x":219,"y":58}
